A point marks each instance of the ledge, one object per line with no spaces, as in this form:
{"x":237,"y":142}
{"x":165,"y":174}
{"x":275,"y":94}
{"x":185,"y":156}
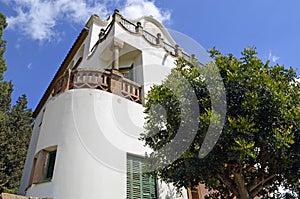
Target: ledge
{"x":13,"y":196}
{"x":43,"y":181}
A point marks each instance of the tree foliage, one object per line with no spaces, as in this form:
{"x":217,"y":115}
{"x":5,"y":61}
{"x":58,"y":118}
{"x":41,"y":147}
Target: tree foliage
{"x":258,"y":150}
{"x":15,"y":128}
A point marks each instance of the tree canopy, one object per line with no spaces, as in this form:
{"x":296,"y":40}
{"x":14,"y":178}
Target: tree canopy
{"x":15,"y":127}
{"x":254,"y":150}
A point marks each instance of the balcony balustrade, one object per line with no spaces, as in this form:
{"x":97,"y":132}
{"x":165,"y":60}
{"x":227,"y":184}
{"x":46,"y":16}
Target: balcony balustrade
{"x":110,"y":81}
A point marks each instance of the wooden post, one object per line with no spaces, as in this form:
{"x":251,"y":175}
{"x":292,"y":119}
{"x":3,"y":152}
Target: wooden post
{"x":67,"y":87}
{"x":116,"y":82}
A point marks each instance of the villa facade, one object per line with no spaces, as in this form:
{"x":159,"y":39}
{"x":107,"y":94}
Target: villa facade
{"x":85,"y":138}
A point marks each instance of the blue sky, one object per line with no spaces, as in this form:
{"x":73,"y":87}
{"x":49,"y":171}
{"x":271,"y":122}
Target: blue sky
{"x":41,"y":32}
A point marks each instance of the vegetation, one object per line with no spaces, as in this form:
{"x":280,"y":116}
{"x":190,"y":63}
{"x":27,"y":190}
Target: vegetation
{"x":257,"y":152}
{"x":15,"y":128}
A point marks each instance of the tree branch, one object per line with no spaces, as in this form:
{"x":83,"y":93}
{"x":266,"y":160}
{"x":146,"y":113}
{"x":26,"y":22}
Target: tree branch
{"x":4,"y":183}
{"x":228,"y":182}
{"x":254,"y":189}
{"x":255,"y":185}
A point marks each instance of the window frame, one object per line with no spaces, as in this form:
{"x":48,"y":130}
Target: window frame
{"x":44,"y":160}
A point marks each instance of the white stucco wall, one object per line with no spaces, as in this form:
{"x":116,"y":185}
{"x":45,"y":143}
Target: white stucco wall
{"x":93,"y":130}
{"x":30,"y":154}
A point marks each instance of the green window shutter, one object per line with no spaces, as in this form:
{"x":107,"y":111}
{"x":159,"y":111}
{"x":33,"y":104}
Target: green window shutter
{"x":139,"y":186}
{"x":50,"y":165}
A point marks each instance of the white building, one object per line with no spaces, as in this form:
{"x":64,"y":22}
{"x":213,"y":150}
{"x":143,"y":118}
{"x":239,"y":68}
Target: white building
{"x":84,"y":143}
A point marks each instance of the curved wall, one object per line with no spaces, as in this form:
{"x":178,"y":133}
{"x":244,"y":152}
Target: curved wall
{"x":93,"y":130}
{"x":91,"y":152}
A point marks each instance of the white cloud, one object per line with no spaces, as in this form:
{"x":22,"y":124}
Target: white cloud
{"x":29,"y":66}
{"x":38,"y":19}
{"x":18,"y":45}
{"x":137,"y":8}
{"x":273,"y":58}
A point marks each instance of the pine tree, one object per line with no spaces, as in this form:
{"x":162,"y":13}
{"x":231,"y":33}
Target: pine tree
{"x":15,"y":127}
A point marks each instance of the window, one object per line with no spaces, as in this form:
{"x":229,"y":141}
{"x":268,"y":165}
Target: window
{"x":139,"y":185}
{"x":194,"y":193}
{"x":43,"y":165}
{"x":50,"y":164}
{"x":127,"y":71}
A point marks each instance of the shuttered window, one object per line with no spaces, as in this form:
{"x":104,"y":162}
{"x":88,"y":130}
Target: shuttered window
{"x":43,"y":165}
{"x":139,"y":185}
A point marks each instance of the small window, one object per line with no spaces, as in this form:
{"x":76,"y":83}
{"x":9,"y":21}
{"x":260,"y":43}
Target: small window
{"x":43,"y":165}
{"x":50,"y":164}
{"x":139,"y":185}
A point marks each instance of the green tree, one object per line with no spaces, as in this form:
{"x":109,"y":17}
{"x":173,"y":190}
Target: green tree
{"x":258,"y":149}
{"x":15,"y":128}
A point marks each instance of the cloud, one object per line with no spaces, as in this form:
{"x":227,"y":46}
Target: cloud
{"x":18,"y":45}
{"x":137,"y":8}
{"x":273,"y":58}
{"x":29,"y":66}
{"x":38,"y":19}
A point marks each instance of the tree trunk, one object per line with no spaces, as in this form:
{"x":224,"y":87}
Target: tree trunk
{"x":242,"y":188}
{"x":244,"y":194}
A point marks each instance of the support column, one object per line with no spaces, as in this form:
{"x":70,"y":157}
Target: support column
{"x":115,"y":76}
{"x":116,"y":46}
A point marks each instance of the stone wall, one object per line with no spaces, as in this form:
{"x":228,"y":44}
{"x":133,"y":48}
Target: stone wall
{"x":12,"y":196}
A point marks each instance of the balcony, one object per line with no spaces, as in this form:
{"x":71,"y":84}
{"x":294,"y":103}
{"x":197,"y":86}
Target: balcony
{"x":110,"y":81}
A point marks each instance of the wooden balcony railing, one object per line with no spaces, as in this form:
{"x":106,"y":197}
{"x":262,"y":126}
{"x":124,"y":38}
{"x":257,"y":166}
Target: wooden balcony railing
{"x":131,"y":90}
{"x":110,"y":81}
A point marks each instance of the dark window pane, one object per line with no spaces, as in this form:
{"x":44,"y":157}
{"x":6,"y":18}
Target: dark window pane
{"x":51,"y":163}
